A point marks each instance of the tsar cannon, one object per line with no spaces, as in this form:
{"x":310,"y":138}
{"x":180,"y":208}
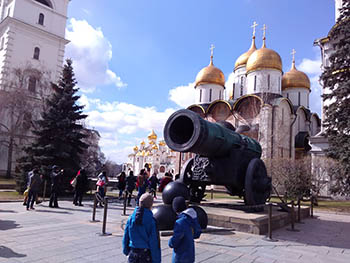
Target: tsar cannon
{"x":222,"y":157}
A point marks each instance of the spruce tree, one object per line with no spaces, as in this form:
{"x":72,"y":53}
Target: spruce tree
{"x":336,"y":78}
{"x":60,"y":132}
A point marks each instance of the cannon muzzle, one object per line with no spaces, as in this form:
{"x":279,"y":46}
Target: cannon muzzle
{"x":186,"y":131}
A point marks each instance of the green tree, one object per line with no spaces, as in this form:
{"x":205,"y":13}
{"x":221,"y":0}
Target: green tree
{"x":336,"y":81}
{"x":60,"y":131}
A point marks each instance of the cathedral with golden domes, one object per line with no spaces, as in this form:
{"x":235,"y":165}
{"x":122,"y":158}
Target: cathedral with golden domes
{"x":157,"y":155}
{"x":264,"y":102}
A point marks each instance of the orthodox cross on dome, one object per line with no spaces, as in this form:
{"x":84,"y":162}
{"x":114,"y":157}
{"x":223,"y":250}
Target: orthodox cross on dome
{"x":293,"y":54}
{"x":264,"y":34}
{"x":254,"y":26}
{"x":211,"y":53}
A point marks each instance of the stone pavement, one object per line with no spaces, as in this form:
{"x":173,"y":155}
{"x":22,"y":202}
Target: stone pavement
{"x":67,"y":235}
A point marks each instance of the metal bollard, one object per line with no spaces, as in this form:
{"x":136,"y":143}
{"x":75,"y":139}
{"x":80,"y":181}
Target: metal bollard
{"x":299,"y":217}
{"x":312,"y":207}
{"x":94,"y":209}
{"x":104,"y":215}
{"x":269,"y":225}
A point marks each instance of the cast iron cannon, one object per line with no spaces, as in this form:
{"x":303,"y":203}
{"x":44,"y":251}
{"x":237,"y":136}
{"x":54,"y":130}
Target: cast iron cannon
{"x":222,"y":157}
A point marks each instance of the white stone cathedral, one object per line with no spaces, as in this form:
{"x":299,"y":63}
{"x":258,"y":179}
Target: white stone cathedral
{"x":32,"y":35}
{"x":264,"y":102}
{"x":157,"y":155}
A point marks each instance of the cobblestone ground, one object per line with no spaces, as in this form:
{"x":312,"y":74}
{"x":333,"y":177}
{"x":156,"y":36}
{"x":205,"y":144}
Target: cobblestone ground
{"x":67,"y":235}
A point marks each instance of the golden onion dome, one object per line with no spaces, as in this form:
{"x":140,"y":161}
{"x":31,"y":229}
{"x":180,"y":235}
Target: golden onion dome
{"x":136,"y":149}
{"x":151,"y":142}
{"x":143,"y":143}
{"x":295,"y":79}
{"x":152,"y":136}
{"x":264,"y":58}
{"x":155,"y":147}
{"x":143,"y":153}
{"x":210,"y":75}
{"x":242,"y":59}
{"x":162,"y":143}
{"x":139,"y":154}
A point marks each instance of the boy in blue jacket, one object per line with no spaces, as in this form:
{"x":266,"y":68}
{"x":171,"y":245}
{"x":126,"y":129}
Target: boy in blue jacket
{"x":186,"y":229}
{"x":141,"y":240}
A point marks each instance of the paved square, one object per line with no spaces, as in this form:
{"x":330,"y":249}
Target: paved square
{"x":67,"y":235}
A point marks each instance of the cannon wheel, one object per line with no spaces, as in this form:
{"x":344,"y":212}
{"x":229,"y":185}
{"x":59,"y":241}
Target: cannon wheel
{"x":257,"y":183}
{"x":197,"y":189}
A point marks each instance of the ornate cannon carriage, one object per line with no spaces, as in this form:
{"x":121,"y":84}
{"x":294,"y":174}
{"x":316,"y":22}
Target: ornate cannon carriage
{"x":223,"y":157}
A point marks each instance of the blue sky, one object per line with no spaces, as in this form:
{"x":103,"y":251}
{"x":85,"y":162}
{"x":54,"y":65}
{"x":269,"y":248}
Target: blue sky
{"x":136,"y":61}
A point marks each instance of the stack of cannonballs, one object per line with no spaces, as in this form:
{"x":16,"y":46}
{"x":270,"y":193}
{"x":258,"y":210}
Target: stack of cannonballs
{"x":165,"y":215}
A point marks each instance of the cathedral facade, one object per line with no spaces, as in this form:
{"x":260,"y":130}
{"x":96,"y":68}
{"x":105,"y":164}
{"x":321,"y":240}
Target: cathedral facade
{"x":32,"y":45}
{"x":264,"y":102}
{"x":156,"y":154}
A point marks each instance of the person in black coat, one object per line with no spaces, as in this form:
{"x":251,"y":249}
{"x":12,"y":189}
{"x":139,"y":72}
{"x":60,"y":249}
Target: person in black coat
{"x":80,"y":187}
{"x":55,"y":180}
{"x":153,"y":182}
{"x":121,"y":184}
{"x":130,"y":186}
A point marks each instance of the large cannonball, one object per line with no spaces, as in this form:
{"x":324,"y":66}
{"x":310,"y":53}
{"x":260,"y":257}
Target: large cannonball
{"x":174,"y":189}
{"x":201,"y":216}
{"x":165,"y":217}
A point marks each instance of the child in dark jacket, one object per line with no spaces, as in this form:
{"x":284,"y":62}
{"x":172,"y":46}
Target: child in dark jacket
{"x":141,"y":240}
{"x":186,"y":229}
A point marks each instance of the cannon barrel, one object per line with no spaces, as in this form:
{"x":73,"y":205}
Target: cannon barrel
{"x":186,"y":131}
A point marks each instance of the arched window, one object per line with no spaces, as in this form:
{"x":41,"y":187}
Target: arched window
{"x":36,"y":53}
{"x":200,"y":95}
{"x":298,"y":98}
{"x":210,"y":95}
{"x":241,"y":86}
{"x":32,"y":84}
{"x":268,"y":81}
{"x":220,"y":95}
{"x":41,"y":19}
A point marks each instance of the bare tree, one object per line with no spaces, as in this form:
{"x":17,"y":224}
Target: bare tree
{"x":21,"y":101}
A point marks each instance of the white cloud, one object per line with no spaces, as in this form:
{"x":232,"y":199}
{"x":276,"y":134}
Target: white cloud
{"x":121,"y":124}
{"x":91,"y":52}
{"x":312,"y":67}
{"x":183,"y":96}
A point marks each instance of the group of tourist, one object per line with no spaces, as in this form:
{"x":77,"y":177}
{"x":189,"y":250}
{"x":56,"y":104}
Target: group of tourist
{"x":34,"y":183}
{"x":141,"y":242}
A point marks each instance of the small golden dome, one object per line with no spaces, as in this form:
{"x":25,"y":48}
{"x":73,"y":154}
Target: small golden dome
{"x":264,"y":58}
{"x":162,"y":143}
{"x":151,"y":142}
{"x":295,"y":79}
{"x":143,"y":153}
{"x":210,"y":75}
{"x":155,"y":147}
{"x":136,"y":149}
{"x":242,"y":59}
{"x":152,"y":136}
{"x":143,"y":143}
{"x":139,"y":154}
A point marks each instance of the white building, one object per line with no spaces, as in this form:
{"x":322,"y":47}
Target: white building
{"x":32,"y":35}
{"x":157,"y":154}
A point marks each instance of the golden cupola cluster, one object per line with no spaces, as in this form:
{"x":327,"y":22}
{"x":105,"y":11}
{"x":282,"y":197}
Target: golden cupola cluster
{"x":257,"y":59}
{"x":264,"y":58}
{"x":295,"y":79}
{"x":210,"y":75}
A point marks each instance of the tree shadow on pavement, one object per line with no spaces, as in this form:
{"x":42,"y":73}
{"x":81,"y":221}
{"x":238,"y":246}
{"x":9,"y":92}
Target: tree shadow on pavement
{"x":318,"y":232}
{"x":8,"y":224}
{"x":6,"y":252}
